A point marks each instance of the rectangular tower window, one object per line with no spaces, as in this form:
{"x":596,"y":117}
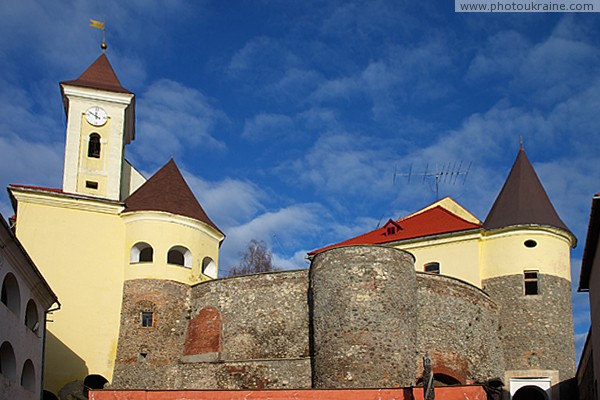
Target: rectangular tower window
{"x":91,"y":185}
{"x":433,"y":267}
{"x":530,"y":282}
{"x":147,"y":319}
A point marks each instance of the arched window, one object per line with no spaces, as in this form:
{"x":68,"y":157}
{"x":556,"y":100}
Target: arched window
{"x":94,"y":146}
{"x":10,"y":294}
{"x":31,"y":316}
{"x":141,"y":252}
{"x":8,"y":364}
{"x":209,"y":267}
{"x":432,"y":267}
{"x":179,"y":255}
{"x":28,"y":376}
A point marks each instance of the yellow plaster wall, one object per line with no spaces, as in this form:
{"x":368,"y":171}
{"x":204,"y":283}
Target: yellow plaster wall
{"x":79,"y":253}
{"x":504,"y":253}
{"x":131,"y":180}
{"x":458,"y":256}
{"x":163,"y":231}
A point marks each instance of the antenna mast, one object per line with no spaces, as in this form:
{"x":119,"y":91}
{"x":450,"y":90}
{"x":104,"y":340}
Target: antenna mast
{"x":446,"y":173}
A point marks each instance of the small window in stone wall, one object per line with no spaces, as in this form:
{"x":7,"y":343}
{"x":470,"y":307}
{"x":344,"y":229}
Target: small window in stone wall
{"x":144,"y":314}
{"x":531,"y":283}
{"x":433,"y":267}
{"x":147,"y":319}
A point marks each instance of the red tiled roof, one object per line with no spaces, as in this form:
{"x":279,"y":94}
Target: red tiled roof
{"x":99,"y":75}
{"x":434,"y":221}
{"x":167,"y":191}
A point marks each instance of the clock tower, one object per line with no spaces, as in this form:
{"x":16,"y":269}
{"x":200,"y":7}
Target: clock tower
{"x":100,"y":122}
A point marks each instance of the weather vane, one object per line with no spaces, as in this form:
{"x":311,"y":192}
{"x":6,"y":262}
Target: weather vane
{"x":100,"y":25}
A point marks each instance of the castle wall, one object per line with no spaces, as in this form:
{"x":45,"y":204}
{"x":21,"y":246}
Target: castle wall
{"x":458,"y":328}
{"x":146,"y":355}
{"x":256,"y":326}
{"x":373,"y":319}
{"x":536,"y":330}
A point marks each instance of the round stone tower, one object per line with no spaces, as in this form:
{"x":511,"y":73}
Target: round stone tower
{"x":364,"y":318}
{"x":526,"y":272}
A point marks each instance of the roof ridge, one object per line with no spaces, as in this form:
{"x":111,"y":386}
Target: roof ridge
{"x":439,"y":206}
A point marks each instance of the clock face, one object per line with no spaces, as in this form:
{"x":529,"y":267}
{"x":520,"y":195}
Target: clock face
{"x":96,"y":116}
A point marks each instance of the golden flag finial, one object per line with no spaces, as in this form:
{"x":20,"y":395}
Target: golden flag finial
{"x":100,"y":25}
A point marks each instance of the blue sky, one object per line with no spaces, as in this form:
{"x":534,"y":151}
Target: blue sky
{"x":289,"y":118}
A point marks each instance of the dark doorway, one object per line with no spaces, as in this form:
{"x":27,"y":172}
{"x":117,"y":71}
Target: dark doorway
{"x":530,"y":393}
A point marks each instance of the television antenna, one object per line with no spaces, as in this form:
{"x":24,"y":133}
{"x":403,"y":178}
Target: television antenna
{"x":447,"y":173}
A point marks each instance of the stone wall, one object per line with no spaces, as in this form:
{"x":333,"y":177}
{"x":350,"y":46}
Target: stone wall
{"x":458,"y":328}
{"x":234,"y":333}
{"x":265,"y":316}
{"x":364,"y":314}
{"x":146,"y":355}
{"x":536,"y":330}
{"x":365,"y":320}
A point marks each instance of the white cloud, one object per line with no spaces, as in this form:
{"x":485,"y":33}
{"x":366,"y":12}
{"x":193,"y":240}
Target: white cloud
{"x":544,"y":72}
{"x":228,"y":202}
{"x":291,"y":226}
{"x":502,"y":55}
{"x":343,"y":163}
{"x":400,"y":76}
{"x":173,"y":118}
{"x":268,"y":126}
{"x":32,"y":143}
{"x":261,"y":59}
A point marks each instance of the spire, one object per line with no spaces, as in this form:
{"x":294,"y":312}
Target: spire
{"x":99,"y":75}
{"x":523,"y":200}
{"x":167,"y":191}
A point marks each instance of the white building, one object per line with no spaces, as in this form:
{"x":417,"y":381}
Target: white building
{"x":26,"y":299}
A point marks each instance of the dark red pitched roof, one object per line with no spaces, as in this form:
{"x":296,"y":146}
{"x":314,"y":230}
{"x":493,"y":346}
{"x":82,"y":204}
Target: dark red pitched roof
{"x":523,"y":200}
{"x":434,"y":221}
{"x":99,"y":75}
{"x":167,"y":191}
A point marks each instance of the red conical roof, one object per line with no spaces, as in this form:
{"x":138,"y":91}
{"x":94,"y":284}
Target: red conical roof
{"x":99,"y":75}
{"x":167,"y":191}
{"x":523,"y":200}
